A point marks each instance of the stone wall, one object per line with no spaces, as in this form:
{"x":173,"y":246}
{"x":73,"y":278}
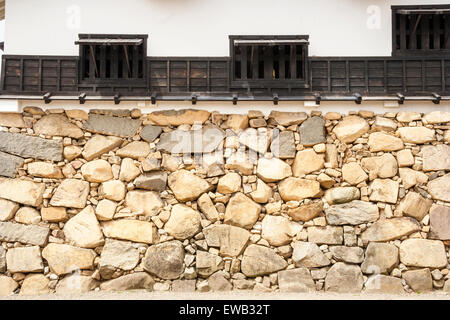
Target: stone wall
{"x":191,"y":200}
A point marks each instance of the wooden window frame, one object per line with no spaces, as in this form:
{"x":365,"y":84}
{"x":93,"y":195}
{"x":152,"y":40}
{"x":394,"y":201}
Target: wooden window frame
{"x":113,"y":80}
{"x":270,"y":83}
{"x":405,"y":51}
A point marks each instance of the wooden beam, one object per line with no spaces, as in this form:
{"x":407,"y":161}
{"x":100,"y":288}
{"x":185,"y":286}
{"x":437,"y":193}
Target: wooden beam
{"x":93,"y":62}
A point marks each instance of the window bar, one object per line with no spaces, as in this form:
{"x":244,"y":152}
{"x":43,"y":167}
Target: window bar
{"x":402,"y":32}
{"x":102,"y":62}
{"x":293,"y":59}
{"x":447,"y":31}
{"x":135,"y":61}
{"x":255,"y":62}
{"x":268,"y":63}
{"x":281,"y":62}
{"x":127,"y":70}
{"x":437,"y":31}
{"x":412,"y":32}
{"x":244,"y":63}
{"x":114,"y":63}
{"x":425,"y":33}
{"x":92,"y":63}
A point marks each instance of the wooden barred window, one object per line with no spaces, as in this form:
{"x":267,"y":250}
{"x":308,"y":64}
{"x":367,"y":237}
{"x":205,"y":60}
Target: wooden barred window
{"x":112,"y":58}
{"x":269,"y":61}
{"x":421,"y":30}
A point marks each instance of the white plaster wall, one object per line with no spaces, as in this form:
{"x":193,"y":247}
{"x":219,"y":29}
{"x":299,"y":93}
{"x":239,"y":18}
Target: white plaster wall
{"x":241,"y":108}
{"x":201,"y":27}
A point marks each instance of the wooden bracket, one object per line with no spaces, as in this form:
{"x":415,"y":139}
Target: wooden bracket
{"x":401,"y":98}
{"x":358,"y":99}
{"x":275,"y":98}
{"x":82,"y":98}
{"x":235,"y":99}
{"x":437,"y":98}
{"x":46,"y":98}
{"x":318,"y":98}
{"x":194,"y":99}
{"x":153,"y":98}
{"x":117,"y":98}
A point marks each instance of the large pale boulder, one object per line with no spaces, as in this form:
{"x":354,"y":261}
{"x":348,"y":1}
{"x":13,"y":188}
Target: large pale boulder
{"x":384,"y":190}
{"x":24,"y":260}
{"x":113,"y":190}
{"x":184,"y":222}
{"x":354,"y":213}
{"x":28,"y":234}
{"x":296,"y":280}
{"x":12,"y":119}
{"x":419,"y":280}
{"x":439,"y":188}
{"x":437,"y":117}
{"x":380,"y":141}
{"x":411,"y":177}
{"x":22,"y":191}
{"x":132,"y":230}
{"x":117,"y":255}
{"x":229,"y":183}
{"x":417,"y":135}
{"x":179,"y":180}
{"x":165,"y":260}
{"x":263,"y":192}
{"x":436,"y":158}
{"x":380,"y":258}
{"x":390,"y":229}
{"x":242,"y":211}
{"x":351,"y":128}
{"x":132,"y":281}
{"x":287,"y":118}
{"x":383,"y":284}
{"x":347,"y":254}
{"x":71,"y":193}
{"x":278,"y":230}
{"x":308,"y":255}
{"x":147,"y":202}
{"x":414,"y":205}
{"x":340,"y":195}
{"x":128,"y":170}
{"x":439,"y":222}
{"x":57,"y":125}
{"x":83,"y":230}
{"x":178,"y":117}
{"x":207,"y":263}
{"x":207,"y":208}
{"x":98,"y":145}
{"x":307,"y":161}
{"x":272,"y":170}
{"x":75,"y":284}
{"x":7,"y":209}
{"x":384,"y":166}
{"x":63,"y":258}
{"x":344,"y":278}
{"x":7,"y":286}
{"x":44,"y":170}
{"x":423,"y":253}
{"x":257,"y":140}
{"x":326,"y":235}
{"x":306,"y":212}
{"x":298,"y":189}
{"x":260,"y":261}
{"x":230,"y":240}
{"x":97,"y":171}
{"x":353,"y":173}
{"x":36,"y":284}
{"x":134,"y":150}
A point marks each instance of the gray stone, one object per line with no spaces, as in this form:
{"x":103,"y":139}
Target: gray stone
{"x":344,"y":278}
{"x":380,"y":258}
{"x":218,"y":282}
{"x":29,"y":234}
{"x":283,"y":145}
{"x":341,"y":195}
{"x":2,"y":259}
{"x":260,"y":261}
{"x":296,"y":280}
{"x":419,"y":280}
{"x":384,"y":284}
{"x":183,"y":285}
{"x":9,"y":165}
{"x":439,"y":222}
{"x":347,"y":254}
{"x":308,"y":255}
{"x":149,"y":133}
{"x":153,"y":181}
{"x":165,"y":260}
{"x":354,"y":213}
{"x":436,"y":158}
{"x":390,"y":229}
{"x":31,"y":147}
{"x":133,"y":281}
{"x":205,"y":140}
{"x":112,"y":126}
{"x":312,"y":131}
{"x":24,"y":260}
{"x":117,"y":255}
{"x":124,"y":113}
